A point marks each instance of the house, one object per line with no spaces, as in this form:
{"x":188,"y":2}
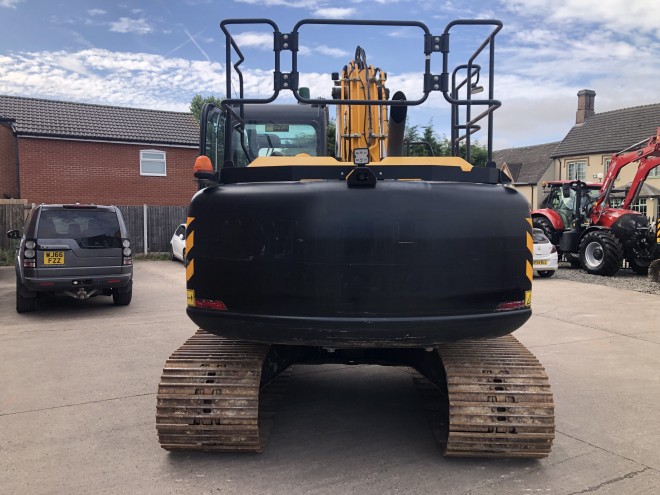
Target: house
{"x":65,"y":152}
{"x":586,"y":151}
{"x":528,"y":167}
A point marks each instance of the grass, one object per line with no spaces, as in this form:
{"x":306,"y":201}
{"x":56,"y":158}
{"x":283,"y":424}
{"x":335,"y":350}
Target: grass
{"x":7,"y":257}
{"x":152,"y":256}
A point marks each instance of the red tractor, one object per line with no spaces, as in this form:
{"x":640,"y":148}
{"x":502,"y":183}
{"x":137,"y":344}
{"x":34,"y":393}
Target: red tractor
{"x":580,"y":220}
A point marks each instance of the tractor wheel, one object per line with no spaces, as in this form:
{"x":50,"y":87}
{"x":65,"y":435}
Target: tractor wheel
{"x":639,"y":265}
{"x":573,"y":259}
{"x":601,"y":253}
{"x":654,"y":271}
{"x":546,"y":226}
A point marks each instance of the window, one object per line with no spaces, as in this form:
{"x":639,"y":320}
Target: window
{"x":152,"y":162}
{"x":655,"y":172}
{"x":640,"y":206}
{"x":577,"y":170}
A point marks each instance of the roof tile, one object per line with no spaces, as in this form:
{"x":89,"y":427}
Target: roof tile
{"x":610,"y":132}
{"x":37,"y":117}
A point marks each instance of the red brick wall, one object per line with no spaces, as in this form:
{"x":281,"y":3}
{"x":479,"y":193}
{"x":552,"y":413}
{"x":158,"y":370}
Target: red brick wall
{"x":7,"y":163}
{"x":59,"y":171}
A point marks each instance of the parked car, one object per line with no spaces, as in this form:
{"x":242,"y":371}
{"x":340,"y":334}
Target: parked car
{"x":78,"y":250}
{"x":178,"y":244}
{"x":545,"y":254}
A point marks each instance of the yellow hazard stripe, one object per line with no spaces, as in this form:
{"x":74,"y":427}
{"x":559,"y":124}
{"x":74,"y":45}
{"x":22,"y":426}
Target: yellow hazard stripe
{"x":190,"y":244}
{"x":529,"y":270}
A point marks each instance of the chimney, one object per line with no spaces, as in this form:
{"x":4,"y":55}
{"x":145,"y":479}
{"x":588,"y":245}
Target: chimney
{"x":585,"y":107}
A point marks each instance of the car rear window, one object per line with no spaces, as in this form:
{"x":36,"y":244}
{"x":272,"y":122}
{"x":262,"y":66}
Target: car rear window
{"x":89,"y":228}
{"x":540,"y":238}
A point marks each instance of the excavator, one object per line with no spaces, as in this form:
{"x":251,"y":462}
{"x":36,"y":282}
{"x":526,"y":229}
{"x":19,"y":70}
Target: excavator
{"x":578,"y":217}
{"x":367,"y":257}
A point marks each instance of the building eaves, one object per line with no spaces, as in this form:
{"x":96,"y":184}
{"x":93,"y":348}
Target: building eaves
{"x":84,"y":121}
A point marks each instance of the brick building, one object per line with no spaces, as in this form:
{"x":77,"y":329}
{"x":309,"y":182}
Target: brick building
{"x":64,"y":152}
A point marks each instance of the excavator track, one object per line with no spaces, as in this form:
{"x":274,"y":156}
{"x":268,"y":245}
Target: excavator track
{"x":499,"y":400}
{"x":211,"y":396}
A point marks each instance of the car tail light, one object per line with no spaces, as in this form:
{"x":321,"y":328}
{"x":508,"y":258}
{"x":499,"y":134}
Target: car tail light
{"x":553,"y":250}
{"x":126,"y":252}
{"x":29,"y":254}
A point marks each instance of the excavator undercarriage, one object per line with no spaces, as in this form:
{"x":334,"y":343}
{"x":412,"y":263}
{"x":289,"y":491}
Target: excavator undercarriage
{"x":484,"y":398}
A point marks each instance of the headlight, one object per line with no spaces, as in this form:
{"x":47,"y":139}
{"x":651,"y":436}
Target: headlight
{"x":29,"y":253}
{"x":127,"y":251}
{"x":30,"y":245}
{"x":126,"y":243}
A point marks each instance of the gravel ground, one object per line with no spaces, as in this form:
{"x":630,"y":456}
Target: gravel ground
{"x":624,"y":279}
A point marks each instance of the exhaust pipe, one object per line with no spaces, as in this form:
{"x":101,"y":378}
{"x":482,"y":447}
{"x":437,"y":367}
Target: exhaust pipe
{"x":397,"y":127}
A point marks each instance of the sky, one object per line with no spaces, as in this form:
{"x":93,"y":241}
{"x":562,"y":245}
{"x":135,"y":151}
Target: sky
{"x":158,"y":54}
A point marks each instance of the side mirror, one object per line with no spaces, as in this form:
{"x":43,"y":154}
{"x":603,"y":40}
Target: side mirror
{"x":14,"y":234}
{"x":181,"y":236}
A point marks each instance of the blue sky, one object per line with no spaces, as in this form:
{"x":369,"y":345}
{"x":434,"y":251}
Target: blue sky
{"x":158,"y":54}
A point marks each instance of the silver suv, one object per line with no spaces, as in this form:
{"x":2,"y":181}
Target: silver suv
{"x":78,"y":250}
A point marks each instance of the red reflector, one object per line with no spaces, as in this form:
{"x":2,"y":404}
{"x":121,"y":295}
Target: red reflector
{"x":510,"y":306}
{"x":210,"y":304}
{"x":47,"y":283}
{"x":114,"y":281}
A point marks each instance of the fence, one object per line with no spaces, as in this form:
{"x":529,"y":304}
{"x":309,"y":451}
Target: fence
{"x":156,"y":224}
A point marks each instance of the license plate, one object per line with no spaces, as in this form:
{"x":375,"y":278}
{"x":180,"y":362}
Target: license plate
{"x":53,"y":257}
{"x":540,"y":262}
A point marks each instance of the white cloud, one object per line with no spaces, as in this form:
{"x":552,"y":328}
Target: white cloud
{"x":334,"y":12}
{"x":114,"y":78}
{"x":126,"y":25}
{"x":10,"y":4}
{"x":263,"y":41}
{"x":611,"y":14}
{"x":94,"y":12}
{"x":332,"y":52}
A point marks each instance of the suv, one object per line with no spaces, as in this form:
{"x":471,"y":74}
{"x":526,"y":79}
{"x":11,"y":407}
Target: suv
{"x":78,"y":250}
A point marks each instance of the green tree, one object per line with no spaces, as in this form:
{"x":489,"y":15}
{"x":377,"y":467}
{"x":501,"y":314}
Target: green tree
{"x":442,"y":146}
{"x":198,"y":102}
{"x":331,"y":137}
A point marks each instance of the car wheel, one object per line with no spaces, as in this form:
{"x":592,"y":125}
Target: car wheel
{"x":122,"y":298}
{"x":601,"y":253}
{"x":26,"y":301}
{"x":172,"y":257}
{"x":185,"y":260}
{"x":546,"y":273}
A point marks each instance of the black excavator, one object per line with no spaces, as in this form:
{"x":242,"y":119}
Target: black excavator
{"x":367,"y":257}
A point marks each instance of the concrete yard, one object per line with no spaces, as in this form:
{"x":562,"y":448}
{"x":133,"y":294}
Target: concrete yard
{"x":78,"y":384}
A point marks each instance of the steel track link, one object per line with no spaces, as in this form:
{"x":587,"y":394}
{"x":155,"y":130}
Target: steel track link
{"x":499,"y":400}
{"x":209,"y":396}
